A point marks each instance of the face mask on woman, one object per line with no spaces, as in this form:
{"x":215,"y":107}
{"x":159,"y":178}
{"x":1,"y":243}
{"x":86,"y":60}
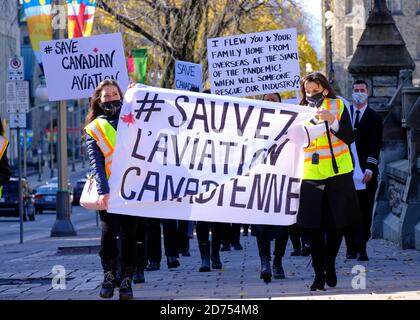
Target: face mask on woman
{"x":316,"y":100}
{"x":111,"y":108}
{"x":359,"y":97}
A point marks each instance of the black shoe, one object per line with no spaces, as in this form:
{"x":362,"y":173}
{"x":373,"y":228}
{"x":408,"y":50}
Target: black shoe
{"x":139,"y":276}
{"x":295,"y":253}
{"x":237,"y":246}
{"x":186,"y":253}
{"x":108,"y":286}
{"x":265,"y":270}
{"x":330,"y":276}
{"x":363,"y":256}
{"x":216,"y":263}
{"x":204,"y":247}
{"x":318,"y":284}
{"x":305,"y":251}
{"x":278,"y":271}
{"x":126,"y":292}
{"x":173,"y":262}
{"x":153,"y":266}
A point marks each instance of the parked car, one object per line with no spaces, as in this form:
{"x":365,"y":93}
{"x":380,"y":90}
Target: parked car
{"x":78,"y":189}
{"x":46,"y":196}
{"x":9,"y":202}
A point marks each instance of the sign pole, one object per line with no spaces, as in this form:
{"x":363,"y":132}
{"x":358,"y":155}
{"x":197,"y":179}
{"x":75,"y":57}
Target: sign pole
{"x":62,"y":226}
{"x":20,"y":193}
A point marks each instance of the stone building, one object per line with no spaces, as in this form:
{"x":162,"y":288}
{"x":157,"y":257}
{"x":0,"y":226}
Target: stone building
{"x":349,"y":19}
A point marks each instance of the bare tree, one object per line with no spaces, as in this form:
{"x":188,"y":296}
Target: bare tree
{"x":180,"y":28}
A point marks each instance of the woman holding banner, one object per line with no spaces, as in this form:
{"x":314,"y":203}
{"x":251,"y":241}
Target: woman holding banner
{"x":328,"y":199}
{"x":265,"y":233}
{"x":101,"y":130}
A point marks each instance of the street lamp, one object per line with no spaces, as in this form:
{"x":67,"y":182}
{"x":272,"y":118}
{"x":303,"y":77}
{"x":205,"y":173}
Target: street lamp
{"x":329,"y":24}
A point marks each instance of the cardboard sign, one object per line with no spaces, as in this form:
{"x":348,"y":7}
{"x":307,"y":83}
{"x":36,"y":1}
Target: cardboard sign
{"x":74,"y":67}
{"x":188,"y":76}
{"x":255,"y":63}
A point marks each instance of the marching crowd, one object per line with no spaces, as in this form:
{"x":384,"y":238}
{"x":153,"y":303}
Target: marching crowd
{"x":330,"y":207}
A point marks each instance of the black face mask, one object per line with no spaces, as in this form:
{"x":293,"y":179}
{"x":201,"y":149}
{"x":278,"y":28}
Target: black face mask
{"x":111,"y":108}
{"x":316,"y":100}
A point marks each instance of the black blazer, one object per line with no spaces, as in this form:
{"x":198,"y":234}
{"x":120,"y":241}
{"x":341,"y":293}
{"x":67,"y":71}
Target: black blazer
{"x":368,"y":139}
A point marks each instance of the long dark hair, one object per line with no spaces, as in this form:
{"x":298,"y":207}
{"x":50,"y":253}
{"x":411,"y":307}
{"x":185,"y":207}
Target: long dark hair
{"x":320,"y":80}
{"x":95,"y":110}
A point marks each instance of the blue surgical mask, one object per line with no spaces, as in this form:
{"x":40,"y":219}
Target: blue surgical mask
{"x":359,"y":97}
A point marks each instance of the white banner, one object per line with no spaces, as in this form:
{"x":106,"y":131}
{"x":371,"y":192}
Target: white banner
{"x":254,"y":63}
{"x":74,"y":67}
{"x":194,"y":156}
{"x":188,"y":76}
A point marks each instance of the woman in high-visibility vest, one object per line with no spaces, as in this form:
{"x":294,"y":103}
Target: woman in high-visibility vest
{"x":265,"y":233}
{"x":5,"y":172}
{"x":101,"y":130}
{"x":328,"y":200}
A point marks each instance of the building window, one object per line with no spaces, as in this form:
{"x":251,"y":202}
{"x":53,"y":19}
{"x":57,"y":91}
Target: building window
{"x":418,"y":45}
{"x":349,"y":41}
{"x":395,"y":6}
{"x":349,"y":6}
{"x":418,"y":6}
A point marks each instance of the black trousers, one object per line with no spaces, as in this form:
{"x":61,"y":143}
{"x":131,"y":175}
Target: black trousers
{"x":114,"y":226}
{"x":358,"y":236}
{"x":154,"y":243}
{"x":232,"y":233}
{"x":141,"y":244}
{"x":264,"y":242}
{"x":298,"y":237}
{"x":203,"y":230}
{"x":182,"y":235}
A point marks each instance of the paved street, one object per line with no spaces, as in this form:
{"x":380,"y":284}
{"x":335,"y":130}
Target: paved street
{"x":27,"y":272}
{"x":41,"y":227}
{"x":31,"y":270}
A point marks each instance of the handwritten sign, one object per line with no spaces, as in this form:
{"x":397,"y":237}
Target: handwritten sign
{"x":188,"y":76}
{"x":257,"y":63}
{"x":74,"y":67}
{"x":196,"y":156}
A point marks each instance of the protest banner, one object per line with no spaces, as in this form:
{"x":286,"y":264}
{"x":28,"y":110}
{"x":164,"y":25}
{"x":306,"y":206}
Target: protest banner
{"x":255,"y":63}
{"x":74,"y":67}
{"x":194,"y":156}
{"x":188,"y":76}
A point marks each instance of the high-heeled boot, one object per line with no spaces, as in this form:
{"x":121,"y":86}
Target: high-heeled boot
{"x":265,"y":269}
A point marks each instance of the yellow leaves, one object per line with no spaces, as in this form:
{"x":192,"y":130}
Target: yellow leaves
{"x":307,"y":55}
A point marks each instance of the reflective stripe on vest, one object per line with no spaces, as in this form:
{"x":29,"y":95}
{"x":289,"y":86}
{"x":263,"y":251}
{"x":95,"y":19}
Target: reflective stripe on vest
{"x":324,"y":168}
{"x":3,"y":146}
{"x":105,"y":136}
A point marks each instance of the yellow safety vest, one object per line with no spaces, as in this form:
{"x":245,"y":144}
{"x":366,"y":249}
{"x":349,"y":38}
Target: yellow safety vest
{"x":105,"y":136}
{"x":324,"y":169}
{"x":3,"y":146}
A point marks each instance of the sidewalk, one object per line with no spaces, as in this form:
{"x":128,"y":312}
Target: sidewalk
{"x":26,"y":272}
